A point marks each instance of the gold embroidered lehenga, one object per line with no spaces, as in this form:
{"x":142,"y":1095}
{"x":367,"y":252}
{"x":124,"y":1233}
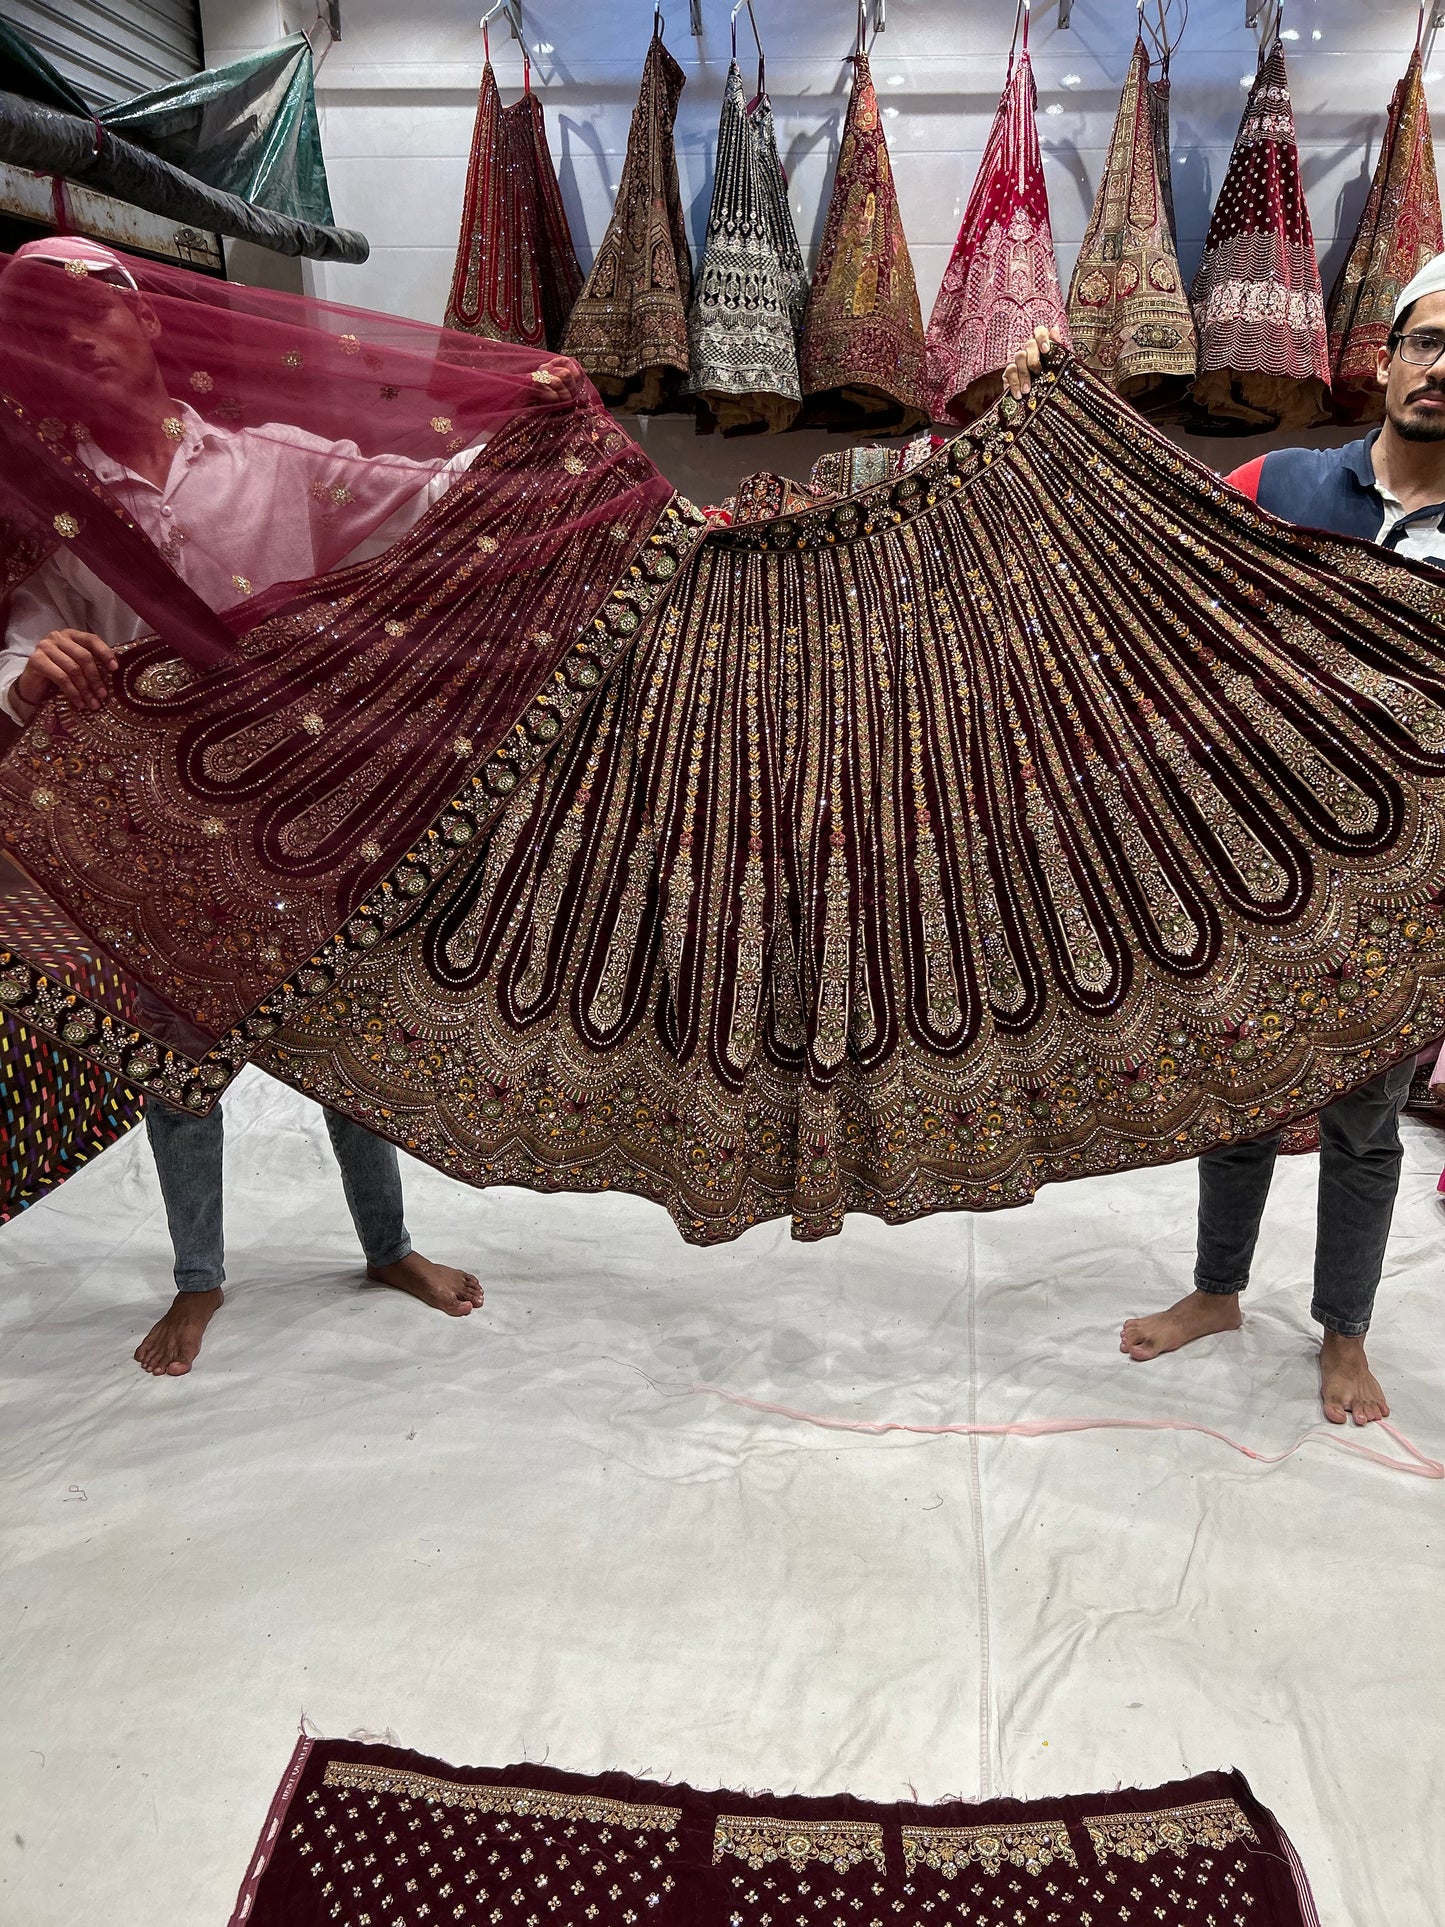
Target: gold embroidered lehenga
{"x":1042,"y":809}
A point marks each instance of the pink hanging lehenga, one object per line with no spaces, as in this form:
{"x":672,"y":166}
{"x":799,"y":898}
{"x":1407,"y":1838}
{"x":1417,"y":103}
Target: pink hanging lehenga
{"x":1003,"y":280}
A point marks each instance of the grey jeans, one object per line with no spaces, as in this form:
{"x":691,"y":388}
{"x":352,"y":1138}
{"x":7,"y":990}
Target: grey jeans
{"x":1359,"y":1175}
{"x":188,"y":1161}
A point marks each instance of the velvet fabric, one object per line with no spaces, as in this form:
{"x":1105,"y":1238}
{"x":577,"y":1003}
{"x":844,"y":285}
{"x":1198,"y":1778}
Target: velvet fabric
{"x":1399,"y":232}
{"x":1043,"y":809}
{"x":362,"y":1834}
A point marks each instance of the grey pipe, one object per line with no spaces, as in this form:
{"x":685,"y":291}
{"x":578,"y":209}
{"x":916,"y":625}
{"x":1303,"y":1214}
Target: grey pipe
{"x":50,"y":142}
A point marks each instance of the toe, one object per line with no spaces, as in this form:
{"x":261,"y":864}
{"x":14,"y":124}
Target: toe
{"x":1334,"y":1411}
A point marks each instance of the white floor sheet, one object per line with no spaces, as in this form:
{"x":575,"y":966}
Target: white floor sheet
{"x":526,"y":1535}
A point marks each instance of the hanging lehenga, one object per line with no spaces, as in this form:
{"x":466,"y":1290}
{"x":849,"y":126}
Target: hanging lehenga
{"x":1399,"y":231}
{"x":1264,"y":358}
{"x":1042,"y":809}
{"x":516,"y":275}
{"x":1129,"y":313}
{"x":750,"y":289}
{"x":862,"y":351}
{"x":629,"y":326}
{"x":1002,"y":281}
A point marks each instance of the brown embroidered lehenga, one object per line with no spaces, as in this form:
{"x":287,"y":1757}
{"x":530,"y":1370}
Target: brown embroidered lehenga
{"x":629,"y":326}
{"x":1042,"y":809}
{"x":1399,"y":231}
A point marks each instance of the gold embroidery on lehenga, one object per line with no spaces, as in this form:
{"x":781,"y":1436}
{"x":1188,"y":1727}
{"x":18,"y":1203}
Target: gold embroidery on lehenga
{"x":1212,"y":1824}
{"x":1030,"y":1846}
{"x":543,"y":1803}
{"x":761,"y":1839}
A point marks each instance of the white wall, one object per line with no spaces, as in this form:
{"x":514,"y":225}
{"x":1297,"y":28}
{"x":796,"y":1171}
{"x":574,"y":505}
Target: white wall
{"x":397,"y":96}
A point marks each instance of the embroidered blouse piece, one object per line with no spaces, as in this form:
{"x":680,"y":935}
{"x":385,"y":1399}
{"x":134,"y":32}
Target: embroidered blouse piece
{"x":1399,"y":231}
{"x":1263,"y":352}
{"x":629,"y":327}
{"x":863,"y":353}
{"x":1002,"y":281}
{"x":1128,"y":308}
{"x":743,"y":323}
{"x":361,"y":1833}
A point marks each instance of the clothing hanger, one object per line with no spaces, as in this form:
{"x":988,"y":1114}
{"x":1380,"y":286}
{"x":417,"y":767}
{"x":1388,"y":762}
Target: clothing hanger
{"x":1021,"y":17}
{"x":1161,"y":46}
{"x":757,"y":42}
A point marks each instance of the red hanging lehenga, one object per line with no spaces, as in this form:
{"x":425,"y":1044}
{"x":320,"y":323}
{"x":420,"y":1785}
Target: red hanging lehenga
{"x":1003,"y":280}
{"x":516,"y":276}
{"x":862,"y":354}
{"x":1264,"y":357}
{"x":1042,"y":809}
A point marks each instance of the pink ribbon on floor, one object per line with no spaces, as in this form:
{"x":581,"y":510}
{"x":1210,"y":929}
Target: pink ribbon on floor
{"x":1416,"y":1463}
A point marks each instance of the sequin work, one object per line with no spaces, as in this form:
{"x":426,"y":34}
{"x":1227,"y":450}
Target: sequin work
{"x":1128,"y":310}
{"x":629,"y":327}
{"x":743,"y":319}
{"x":862,"y":353}
{"x":1399,"y":231}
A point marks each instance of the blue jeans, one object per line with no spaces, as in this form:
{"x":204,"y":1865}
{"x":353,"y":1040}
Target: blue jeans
{"x":1359,"y":1175}
{"x":187,"y":1152}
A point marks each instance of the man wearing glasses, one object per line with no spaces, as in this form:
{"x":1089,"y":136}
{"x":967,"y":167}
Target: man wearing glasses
{"x":1388,"y":488}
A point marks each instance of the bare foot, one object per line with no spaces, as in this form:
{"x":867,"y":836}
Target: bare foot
{"x":1348,"y":1388}
{"x":457,"y":1293}
{"x":169,"y":1348}
{"x":1197,"y":1316}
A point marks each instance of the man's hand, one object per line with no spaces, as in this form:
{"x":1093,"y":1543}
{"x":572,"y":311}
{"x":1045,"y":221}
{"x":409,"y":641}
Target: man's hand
{"x":1018,"y":377}
{"x":561,"y":378}
{"x":73,"y":661}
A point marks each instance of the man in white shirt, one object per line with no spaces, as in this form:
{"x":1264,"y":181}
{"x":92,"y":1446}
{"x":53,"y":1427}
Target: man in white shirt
{"x":232,"y":511}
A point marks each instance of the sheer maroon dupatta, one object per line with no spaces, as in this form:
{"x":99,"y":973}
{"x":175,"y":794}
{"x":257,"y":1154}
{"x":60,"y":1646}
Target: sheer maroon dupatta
{"x":389,"y":568}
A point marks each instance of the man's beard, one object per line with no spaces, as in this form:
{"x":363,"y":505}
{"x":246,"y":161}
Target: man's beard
{"x":1429,"y":428}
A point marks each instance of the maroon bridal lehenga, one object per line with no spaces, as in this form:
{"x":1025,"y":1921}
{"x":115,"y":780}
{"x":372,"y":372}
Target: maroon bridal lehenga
{"x":1264,"y":358}
{"x":1041,"y":809}
{"x":516,"y":276}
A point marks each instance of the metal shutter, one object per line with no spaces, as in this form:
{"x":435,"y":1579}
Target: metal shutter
{"x":112,"y":49}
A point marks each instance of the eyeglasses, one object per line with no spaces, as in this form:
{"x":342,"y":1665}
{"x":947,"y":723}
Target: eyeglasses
{"x":1422,"y":347}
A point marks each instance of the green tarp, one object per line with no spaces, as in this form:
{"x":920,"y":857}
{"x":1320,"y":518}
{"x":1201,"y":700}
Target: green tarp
{"x":24,"y":70}
{"x":248,"y":128}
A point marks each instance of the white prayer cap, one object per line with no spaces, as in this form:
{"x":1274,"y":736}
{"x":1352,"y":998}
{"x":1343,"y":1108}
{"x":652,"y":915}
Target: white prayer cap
{"x":79,"y":256}
{"x":1430,"y":280}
